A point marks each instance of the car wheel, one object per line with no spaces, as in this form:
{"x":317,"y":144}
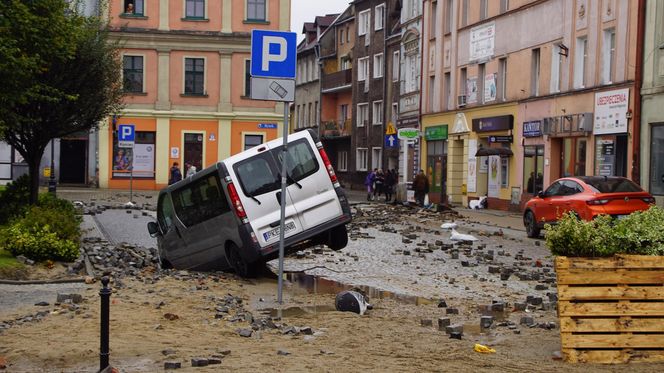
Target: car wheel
{"x":531,"y":225}
{"x":338,"y":238}
{"x":241,"y":266}
{"x":165,"y":264}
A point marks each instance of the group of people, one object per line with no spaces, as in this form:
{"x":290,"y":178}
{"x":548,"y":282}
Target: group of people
{"x":379,"y":182}
{"x":175,"y":174}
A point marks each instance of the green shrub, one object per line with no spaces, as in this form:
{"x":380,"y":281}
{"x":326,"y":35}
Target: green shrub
{"x":639,"y":233}
{"x":14,"y":199}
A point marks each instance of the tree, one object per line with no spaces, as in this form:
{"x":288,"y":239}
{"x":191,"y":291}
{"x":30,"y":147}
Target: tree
{"x":61,"y":74}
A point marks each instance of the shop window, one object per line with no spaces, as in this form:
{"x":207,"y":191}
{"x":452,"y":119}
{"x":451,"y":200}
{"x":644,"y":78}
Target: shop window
{"x":573,"y":157}
{"x":141,"y":157}
{"x":252,"y":140}
{"x":194,"y":76}
{"x":437,"y":164}
{"x":504,"y":171}
{"x":533,"y":169}
{"x":132,"y":74}
{"x":657,"y":159}
{"x":133,"y":7}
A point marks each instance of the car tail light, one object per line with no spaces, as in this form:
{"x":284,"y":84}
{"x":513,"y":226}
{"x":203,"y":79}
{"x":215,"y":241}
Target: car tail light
{"x":597,"y":202}
{"x":328,"y":165}
{"x":648,"y":200}
{"x":237,"y":204}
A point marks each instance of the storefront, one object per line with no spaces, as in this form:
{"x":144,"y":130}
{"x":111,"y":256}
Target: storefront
{"x":533,"y":159}
{"x":569,"y":137}
{"x":436,"y":163}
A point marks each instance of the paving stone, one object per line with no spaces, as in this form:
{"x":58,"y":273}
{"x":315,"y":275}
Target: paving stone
{"x":442,"y":304}
{"x":245,"y":332}
{"x":519,"y":306}
{"x":426,"y":322}
{"x":456,"y":328}
{"x":172,"y":365}
{"x":214,"y":360}
{"x":443,"y":322}
{"x":456,"y":335}
{"x":199,"y":362}
{"x":452,"y":311}
{"x":526,"y":320}
{"x":486,"y":321}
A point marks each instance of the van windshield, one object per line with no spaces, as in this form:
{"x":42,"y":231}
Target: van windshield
{"x":261,"y":174}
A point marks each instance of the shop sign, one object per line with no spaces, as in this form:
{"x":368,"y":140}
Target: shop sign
{"x":408,"y":134}
{"x":501,"y":139}
{"x":532,"y":128}
{"x":499,"y":123}
{"x":267,"y":125}
{"x":410,"y":121}
{"x":435,"y":133}
{"x":611,"y":112}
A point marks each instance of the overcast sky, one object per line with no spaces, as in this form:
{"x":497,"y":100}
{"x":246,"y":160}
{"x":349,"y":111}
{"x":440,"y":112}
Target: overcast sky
{"x":306,"y":10}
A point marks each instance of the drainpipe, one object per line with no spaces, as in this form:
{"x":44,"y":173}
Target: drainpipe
{"x":638,"y":77}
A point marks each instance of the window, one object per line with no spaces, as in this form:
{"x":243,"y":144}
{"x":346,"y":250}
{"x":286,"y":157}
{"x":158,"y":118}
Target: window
{"x":657,"y":159}
{"x":363,"y":25}
{"x":195,"y":9}
{"x":483,"y":9}
{"x":132,"y":74}
{"x":362,"y":114}
{"x":448,"y":91}
{"x":341,"y":36}
{"x":378,"y":112}
{"x":311,"y":116}
{"x":481,"y":69}
{"x":247,"y":78}
{"x":376,"y":157}
{"x":316,"y":112}
{"x":504,"y":172}
{"x":200,"y":201}
{"x":573,"y":157}
{"x":256,"y":10}
{"x":433,"y":17}
{"x":144,"y":150}
{"x":165,"y":212}
{"x":347,"y":34}
{"x":504,"y":6}
{"x":363,"y":68}
{"x":464,"y":13}
{"x":134,"y":7}
{"x":343,"y":112}
{"x":342,"y":161}
{"x":194,"y":76}
{"x":502,"y":78}
{"x":345,"y":63}
{"x":533,"y":168}
{"x":378,"y":65}
{"x":412,"y":70}
{"x":361,"y":159}
{"x":395,"y":112}
{"x":609,"y":52}
{"x":432,"y":84}
{"x":580,"y":57}
{"x":535,"y":72}
{"x":556,"y":69}
{"x":252,"y":140}
{"x":379,"y":17}
{"x":462,"y":81}
{"x":448,"y":16}
{"x":395,"y":66}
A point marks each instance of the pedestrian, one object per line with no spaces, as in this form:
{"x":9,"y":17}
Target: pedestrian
{"x":421,"y":187}
{"x":369,"y":183}
{"x":175,"y":174}
{"x":380,"y":184}
{"x":191,"y":169}
{"x":389,"y":185}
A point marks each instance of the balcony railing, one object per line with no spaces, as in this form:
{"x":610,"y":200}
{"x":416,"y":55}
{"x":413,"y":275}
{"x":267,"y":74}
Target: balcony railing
{"x":337,"y":81}
{"x":336,"y":128}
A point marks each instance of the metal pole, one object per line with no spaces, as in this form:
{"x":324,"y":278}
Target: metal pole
{"x":105,"y":294}
{"x":131,"y":175}
{"x":282,"y":224}
{"x":51,"y":178}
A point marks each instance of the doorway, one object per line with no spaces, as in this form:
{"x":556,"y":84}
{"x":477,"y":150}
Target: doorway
{"x":72,"y":161}
{"x":193,"y":149}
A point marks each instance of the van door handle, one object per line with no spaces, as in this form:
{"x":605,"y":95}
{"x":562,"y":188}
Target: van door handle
{"x":279,"y":198}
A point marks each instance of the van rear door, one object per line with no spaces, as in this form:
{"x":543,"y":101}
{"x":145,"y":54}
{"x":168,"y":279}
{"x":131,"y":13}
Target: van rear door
{"x":260,"y":192}
{"x":309,"y":184}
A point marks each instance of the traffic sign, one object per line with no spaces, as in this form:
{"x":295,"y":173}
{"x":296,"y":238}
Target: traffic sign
{"x":390,"y":129}
{"x":273,"y":54}
{"x":408,"y":133}
{"x":391,"y":141}
{"x":272,"y":89}
{"x":126,"y":136}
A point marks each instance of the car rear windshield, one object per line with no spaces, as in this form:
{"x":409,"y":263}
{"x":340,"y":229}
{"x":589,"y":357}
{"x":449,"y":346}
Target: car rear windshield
{"x":260,"y":174}
{"x":601,"y":185}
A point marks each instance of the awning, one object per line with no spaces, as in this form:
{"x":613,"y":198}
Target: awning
{"x":503,"y":152}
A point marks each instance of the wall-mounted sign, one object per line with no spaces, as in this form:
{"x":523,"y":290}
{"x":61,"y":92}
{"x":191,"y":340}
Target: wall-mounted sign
{"x":212,"y":137}
{"x":500,"y":123}
{"x":435,"y":133}
{"x":175,"y":152}
{"x":408,"y":134}
{"x":500,"y":139}
{"x":471,"y":90}
{"x":490,"y":87}
{"x":267,"y":125}
{"x":611,"y":112}
{"x":482,"y":41}
{"x":532,"y":128}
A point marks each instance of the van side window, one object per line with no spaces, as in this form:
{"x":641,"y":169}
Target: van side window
{"x":300,"y":161}
{"x":165,"y":212}
{"x":200,"y":201}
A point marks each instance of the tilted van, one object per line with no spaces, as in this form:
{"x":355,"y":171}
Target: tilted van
{"x":228,"y":215}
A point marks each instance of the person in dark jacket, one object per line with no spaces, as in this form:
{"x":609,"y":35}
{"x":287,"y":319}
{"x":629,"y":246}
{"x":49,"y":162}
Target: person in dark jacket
{"x":389,"y":185}
{"x":379,"y":183}
{"x":421,"y":187}
{"x":175,"y":174}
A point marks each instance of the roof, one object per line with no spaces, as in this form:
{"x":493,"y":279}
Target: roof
{"x":326,"y":20}
{"x":308,"y":27}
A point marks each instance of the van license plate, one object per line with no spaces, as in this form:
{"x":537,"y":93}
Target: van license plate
{"x":275,"y":232}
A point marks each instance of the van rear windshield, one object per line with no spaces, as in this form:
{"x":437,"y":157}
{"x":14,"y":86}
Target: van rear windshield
{"x":601,"y":185}
{"x":261,"y":174}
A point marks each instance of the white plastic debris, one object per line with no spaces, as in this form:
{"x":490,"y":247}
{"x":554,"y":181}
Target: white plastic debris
{"x":456,"y":236}
{"x":129,"y":204}
{"x":477,"y":204}
{"x":78,"y":204}
{"x":351,"y":301}
{"x":448,"y":225}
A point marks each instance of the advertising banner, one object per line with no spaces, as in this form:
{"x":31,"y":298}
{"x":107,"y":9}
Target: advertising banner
{"x":611,"y":112}
{"x":471,"y":187}
{"x":494,"y":176}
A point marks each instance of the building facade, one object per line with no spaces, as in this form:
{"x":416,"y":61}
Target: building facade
{"x":652,"y":107}
{"x":525,"y":104}
{"x":186,"y":76}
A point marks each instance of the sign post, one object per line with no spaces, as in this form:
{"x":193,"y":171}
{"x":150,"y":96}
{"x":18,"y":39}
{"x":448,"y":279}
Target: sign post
{"x":273,"y":55}
{"x":126,"y":139}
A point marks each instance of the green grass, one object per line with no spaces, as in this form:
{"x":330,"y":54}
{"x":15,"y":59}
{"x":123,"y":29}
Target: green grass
{"x":7,"y":259}
{"x":10,"y":268}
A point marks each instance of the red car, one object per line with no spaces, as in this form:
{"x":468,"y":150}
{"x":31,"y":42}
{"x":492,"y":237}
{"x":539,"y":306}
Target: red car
{"x":587,"y":197}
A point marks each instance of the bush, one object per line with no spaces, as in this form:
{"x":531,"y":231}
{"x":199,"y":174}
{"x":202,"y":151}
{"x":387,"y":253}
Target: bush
{"x":639,"y":233}
{"x":48,"y":231}
{"x":14,"y":199}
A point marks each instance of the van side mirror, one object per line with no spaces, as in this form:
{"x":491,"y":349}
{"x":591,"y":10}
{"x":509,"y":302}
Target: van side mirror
{"x":540,"y":194}
{"x":153,"y":228}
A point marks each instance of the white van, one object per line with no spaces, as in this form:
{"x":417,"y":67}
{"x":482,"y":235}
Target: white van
{"x":228,"y":215}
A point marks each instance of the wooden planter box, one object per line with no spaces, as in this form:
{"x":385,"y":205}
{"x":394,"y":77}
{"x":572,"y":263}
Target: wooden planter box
{"x":611,"y":309}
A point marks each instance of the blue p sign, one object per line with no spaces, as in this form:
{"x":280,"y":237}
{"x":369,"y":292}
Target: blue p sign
{"x":273,"y":54}
{"x":126,"y":132}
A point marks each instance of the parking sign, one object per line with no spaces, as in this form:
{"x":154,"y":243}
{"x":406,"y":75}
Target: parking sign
{"x":273,"y":54}
{"x":126,"y":136}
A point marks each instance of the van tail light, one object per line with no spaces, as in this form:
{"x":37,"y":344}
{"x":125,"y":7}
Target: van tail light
{"x":649,"y":200}
{"x":328,"y":166}
{"x":237,"y":204}
{"x":597,"y":202}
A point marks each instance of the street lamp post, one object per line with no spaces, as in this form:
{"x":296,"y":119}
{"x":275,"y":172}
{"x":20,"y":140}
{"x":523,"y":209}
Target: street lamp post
{"x":51,"y":180}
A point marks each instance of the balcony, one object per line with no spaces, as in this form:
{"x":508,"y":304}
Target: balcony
{"x":338,"y":81}
{"x":335,"y":128}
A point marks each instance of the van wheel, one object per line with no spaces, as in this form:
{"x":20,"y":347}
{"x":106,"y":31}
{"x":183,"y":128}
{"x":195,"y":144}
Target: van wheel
{"x":242,"y":267}
{"x":164,"y":263}
{"x":338,"y":238}
{"x":531,"y":225}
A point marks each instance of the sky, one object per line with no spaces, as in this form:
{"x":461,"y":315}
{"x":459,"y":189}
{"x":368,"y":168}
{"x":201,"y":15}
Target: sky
{"x":306,"y":10}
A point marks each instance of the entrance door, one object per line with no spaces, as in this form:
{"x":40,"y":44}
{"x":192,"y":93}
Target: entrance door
{"x":72,"y":161}
{"x":193,"y":149}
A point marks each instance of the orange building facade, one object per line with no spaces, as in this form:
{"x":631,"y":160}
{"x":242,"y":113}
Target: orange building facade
{"x":186,"y":81}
